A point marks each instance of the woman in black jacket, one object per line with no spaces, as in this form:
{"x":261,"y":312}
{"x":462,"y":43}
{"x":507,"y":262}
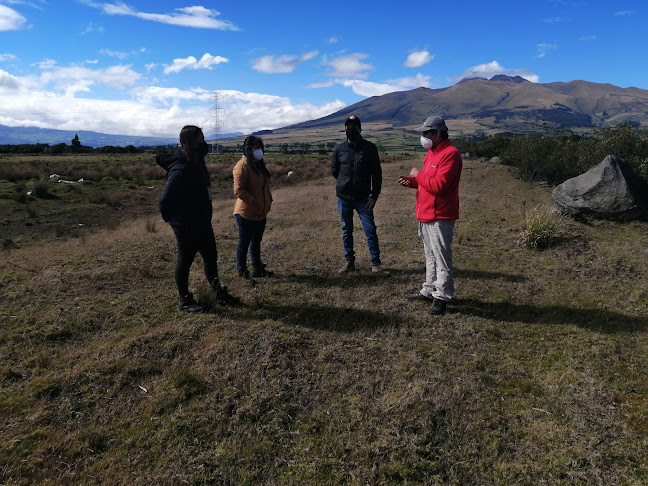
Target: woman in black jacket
{"x":185,"y":204}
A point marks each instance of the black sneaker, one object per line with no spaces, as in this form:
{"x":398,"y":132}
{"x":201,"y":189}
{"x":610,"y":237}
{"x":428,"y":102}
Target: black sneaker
{"x":261,"y":272}
{"x":438,"y":307}
{"x":223,"y":297}
{"x":419,"y":296}
{"x":188,"y":304}
{"x":247,"y":279}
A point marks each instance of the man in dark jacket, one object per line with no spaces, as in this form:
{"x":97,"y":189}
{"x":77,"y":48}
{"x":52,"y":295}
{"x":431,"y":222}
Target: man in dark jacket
{"x":356,"y":167}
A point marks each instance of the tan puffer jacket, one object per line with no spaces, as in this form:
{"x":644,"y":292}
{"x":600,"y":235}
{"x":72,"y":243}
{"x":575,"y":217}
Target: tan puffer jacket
{"x":252,"y":192}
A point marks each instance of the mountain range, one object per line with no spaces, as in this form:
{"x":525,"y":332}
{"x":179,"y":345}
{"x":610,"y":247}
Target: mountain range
{"x":500,"y":104}
{"x":472,"y":106}
{"x":32,"y":135}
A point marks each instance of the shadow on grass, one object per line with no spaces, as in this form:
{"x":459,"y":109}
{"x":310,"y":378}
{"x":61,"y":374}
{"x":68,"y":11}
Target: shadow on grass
{"x":484,"y":275}
{"x":356,"y":279}
{"x":603,"y":320}
{"x":327,"y":318}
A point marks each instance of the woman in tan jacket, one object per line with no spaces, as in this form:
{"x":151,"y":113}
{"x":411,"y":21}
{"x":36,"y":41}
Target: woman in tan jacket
{"x":253,"y":202}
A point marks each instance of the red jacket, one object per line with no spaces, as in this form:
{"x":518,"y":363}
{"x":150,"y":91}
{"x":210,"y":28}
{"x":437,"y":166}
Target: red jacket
{"x":437,"y":185}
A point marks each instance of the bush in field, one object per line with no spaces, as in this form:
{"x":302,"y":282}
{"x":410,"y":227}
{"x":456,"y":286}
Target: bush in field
{"x":41,"y":189}
{"x":540,"y":227}
{"x":557,"y":157}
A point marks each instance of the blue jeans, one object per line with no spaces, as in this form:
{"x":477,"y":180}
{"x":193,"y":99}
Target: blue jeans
{"x":250,"y":236}
{"x":346,"y":209}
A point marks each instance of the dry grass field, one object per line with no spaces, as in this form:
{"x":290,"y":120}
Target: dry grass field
{"x":538,"y":374}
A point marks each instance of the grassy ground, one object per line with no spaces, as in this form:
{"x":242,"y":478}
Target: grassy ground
{"x":537,"y":375}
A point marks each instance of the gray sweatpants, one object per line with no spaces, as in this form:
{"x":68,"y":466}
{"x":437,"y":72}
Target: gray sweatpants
{"x":437,"y":239}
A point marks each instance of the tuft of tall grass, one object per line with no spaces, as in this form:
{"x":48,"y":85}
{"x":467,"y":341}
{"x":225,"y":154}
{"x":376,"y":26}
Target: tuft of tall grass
{"x":41,"y":189}
{"x":540,"y":228}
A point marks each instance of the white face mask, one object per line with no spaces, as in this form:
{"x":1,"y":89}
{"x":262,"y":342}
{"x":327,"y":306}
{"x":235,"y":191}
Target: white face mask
{"x":426,"y":143}
{"x":257,"y":154}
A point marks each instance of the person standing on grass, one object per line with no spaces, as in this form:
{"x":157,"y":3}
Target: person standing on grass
{"x":437,"y":208}
{"x":253,"y":202}
{"x":185,"y":203}
{"x":356,"y":167}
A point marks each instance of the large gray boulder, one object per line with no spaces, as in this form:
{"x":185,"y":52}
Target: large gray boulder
{"x":609,"y":190}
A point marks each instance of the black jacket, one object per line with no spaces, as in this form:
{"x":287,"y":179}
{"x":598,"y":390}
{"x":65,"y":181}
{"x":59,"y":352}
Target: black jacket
{"x":357,"y":170}
{"x":185,"y":200}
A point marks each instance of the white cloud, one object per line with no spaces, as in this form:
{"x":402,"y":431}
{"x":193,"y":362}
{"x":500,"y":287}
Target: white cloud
{"x":8,"y":83}
{"x":420,"y":80}
{"x":491,"y":69}
{"x":249,"y":112}
{"x":281,"y":64}
{"x":418,"y":58}
{"x":369,"y":88}
{"x":45,"y":64}
{"x":554,"y":20}
{"x":10,"y":19}
{"x":350,"y":66}
{"x":587,"y":38}
{"x":7,"y":57}
{"x":623,"y":13}
{"x":117,"y":54}
{"x":114,"y":76}
{"x":121,"y":54}
{"x":91,"y":28}
{"x":195,"y":17}
{"x":333,"y":40}
{"x":544,"y":48}
{"x":324,"y":84}
{"x":206,"y":62}
{"x":145,"y":111}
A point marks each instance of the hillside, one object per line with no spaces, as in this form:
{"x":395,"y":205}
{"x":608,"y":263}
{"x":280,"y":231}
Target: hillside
{"x":500,"y":104}
{"x":537,"y":375}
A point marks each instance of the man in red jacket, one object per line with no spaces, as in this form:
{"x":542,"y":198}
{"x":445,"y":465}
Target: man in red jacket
{"x":437,"y":208}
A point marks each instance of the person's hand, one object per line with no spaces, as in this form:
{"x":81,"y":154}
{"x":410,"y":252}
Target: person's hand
{"x":414,"y":172}
{"x":404,"y":181}
{"x":371,"y":203}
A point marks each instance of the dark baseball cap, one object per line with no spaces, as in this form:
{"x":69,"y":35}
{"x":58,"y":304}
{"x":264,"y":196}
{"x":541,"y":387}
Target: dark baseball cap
{"x":432,"y":123}
{"x":353,"y":120}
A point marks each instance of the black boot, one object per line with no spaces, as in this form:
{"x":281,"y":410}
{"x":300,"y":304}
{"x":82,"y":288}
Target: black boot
{"x":261,"y":272}
{"x":245,"y":276}
{"x":188,"y":304}
{"x":437,"y":307}
{"x":223,"y":297}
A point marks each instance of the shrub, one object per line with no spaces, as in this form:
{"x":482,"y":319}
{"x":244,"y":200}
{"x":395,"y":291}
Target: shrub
{"x":41,"y":189}
{"x":540,"y":228}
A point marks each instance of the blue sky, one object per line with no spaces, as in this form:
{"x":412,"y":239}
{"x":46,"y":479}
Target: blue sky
{"x":150,"y":67}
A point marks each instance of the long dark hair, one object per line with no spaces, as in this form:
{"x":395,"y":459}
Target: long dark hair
{"x":189,"y":136}
{"x":250,"y":144}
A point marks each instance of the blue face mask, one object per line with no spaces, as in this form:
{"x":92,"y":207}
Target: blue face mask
{"x":257,"y":154}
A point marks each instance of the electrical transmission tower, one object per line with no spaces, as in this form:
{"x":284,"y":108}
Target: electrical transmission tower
{"x":216,"y":120}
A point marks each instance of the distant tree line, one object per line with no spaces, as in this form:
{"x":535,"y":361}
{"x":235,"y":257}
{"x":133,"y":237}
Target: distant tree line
{"x":561,"y":155}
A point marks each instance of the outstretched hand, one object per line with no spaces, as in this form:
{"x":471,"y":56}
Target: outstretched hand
{"x":404,"y":181}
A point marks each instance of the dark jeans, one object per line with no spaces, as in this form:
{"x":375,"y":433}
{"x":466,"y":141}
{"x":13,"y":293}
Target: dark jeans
{"x":250,"y":236}
{"x":190,"y":242}
{"x":346,"y":210}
